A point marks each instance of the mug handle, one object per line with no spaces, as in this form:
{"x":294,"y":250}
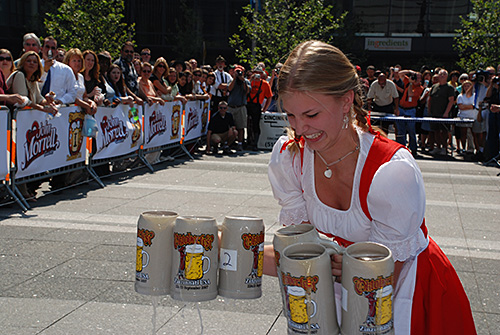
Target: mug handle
{"x":314,"y":308}
{"x":329,"y":245}
{"x":208,"y":259}
{"x":145,"y":263}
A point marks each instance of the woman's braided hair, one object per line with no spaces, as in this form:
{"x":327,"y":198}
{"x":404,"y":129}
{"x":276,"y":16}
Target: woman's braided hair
{"x":318,"y":67}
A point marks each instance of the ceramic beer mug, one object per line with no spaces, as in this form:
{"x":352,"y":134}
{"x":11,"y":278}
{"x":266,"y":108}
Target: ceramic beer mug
{"x":241,"y":257}
{"x":306,"y":274}
{"x":367,"y":289}
{"x":153,"y":260}
{"x":195,"y":251}
{"x":293,"y":234}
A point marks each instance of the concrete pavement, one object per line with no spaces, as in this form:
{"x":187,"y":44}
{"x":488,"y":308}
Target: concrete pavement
{"x":68,"y":265}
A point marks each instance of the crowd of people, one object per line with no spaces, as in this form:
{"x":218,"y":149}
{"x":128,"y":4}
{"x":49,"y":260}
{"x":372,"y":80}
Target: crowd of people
{"x":438,"y":94}
{"x":46,"y":76}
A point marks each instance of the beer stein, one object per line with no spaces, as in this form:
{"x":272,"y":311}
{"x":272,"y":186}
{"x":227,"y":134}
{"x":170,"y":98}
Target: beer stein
{"x":306,"y":274}
{"x":293,"y":234}
{"x":241,"y":257}
{"x":153,"y":258}
{"x":195,"y":250}
{"x":367,"y":289}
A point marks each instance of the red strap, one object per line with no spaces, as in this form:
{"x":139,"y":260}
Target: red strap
{"x":300,"y":143}
{"x":380,"y":152}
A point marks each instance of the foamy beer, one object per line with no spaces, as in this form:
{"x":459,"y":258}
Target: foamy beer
{"x":195,"y":250}
{"x":194,"y":262}
{"x":306,"y":274}
{"x":294,"y":234}
{"x":297,"y":302}
{"x":241,"y":257}
{"x":153,"y":257}
{"x":367,"y":289}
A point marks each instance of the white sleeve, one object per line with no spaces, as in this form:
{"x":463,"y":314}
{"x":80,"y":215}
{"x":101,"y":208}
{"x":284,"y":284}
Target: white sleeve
{"x":396,"y":202}
{"x":460,"y":99}
{"x":284,"y":176}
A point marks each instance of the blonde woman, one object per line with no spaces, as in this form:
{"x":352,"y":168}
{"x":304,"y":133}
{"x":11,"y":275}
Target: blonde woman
{"x":336,"y":173}
{"x":74,"y":59}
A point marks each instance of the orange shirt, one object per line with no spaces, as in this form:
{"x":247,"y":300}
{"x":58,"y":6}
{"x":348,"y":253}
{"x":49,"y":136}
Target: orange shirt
{"x":265,"y":91}
{"x":413,"y":93}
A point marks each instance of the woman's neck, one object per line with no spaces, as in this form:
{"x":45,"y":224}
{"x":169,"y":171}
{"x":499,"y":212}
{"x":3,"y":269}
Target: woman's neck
{"x":346,"y":143}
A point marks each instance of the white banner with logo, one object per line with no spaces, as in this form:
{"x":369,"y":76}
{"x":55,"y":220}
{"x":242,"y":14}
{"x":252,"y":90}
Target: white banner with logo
{"x":162,"y":124}
{"x":387,"y":44}
{"x":272,"y":127}
{"x":44,"y":143}
{"x":4,"y":138}
{"x":119,"y":130}
{"x":195,"y":119}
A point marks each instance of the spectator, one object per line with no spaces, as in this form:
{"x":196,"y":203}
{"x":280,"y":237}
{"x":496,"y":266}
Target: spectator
{"x":383,"y":97}
{"x":408,"y":108}
{"x":203,"y":80}
{"x":481,"y":82}
{"x":463,"y":77}
{"x":221,"y":130}
{"x":24,"y":82}
{"x":454,"y":75}
{"x":160,"y":70}
{"x":194,"y":63}
{"x":466,"y":110}
{"x":129,"y":72}
{"x":185,"y":89}
{"x":442,"y":98}
{"x":397,"y":79}
{"x":273,"y":82}
{"x":91,"y":77}
{"x":74,"y":59}
{"x":370,"y":74}
{"x":198,"y":91}
{"x":172,"y":80}
{"x":260,"y":92}
{"x":222,"y":80}
{"x":424,"y":126}
{"x":6,"y":63}
{"x":60,"y":54}
{"x":104,"y":63}
{"x":210,"y":85}
{"x":57,"y":77}
{"x":117,"y":90}
{"x":492,"y":140}
{"x":146,"y":55}
{"x":237,"y":101}
{"x":31,"y":42}
{"x":146,"y":88}
{"x":178,"y":65}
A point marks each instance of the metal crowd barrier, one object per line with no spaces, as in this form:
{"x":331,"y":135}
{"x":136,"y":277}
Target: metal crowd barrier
{"x":40,"y":147}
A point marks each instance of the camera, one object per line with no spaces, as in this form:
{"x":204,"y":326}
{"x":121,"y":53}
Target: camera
{"x":481,"y":75}
{"x":239,"y":73}
{"x":495,"y":80}
{"x":277,"y":70}
{"x":413,"y":76}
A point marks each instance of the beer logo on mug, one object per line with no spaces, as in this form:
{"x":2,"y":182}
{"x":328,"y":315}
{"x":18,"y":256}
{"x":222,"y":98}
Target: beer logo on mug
{"x":298,"y":292}
{"x":193,"y":264}
{"x":254,"y":243}
{"x":378,"y":292}
{"x":144,"y":238}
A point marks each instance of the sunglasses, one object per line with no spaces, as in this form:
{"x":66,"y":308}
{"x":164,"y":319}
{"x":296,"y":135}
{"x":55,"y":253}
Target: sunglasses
{"x":145,"y":54}
{"x":128,"y":51}
{"x":6,"y":58}
{"x":222,"y":107}
{"x":146,"y":71}
{"x":196,"y":74}
{"x":161,"y":65}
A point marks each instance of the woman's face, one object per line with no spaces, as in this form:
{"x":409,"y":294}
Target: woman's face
{"x":146,"y":72}
{"x":31,"y":64}
{"x":210,"y":80}
{"x":75,"y":63}
{"x":189,"y":78}
{"x":203,"y":77}
{"x":114,"y":75}
{"x":182,"y":81}
{"x":172,"y":77}
{"x":137,"y":66}
{"x":5,"y":61}
{"x":317,"y":117}
{"x":160,"y":69}
{"x":89,"y":62}
{"x":465,"y":87}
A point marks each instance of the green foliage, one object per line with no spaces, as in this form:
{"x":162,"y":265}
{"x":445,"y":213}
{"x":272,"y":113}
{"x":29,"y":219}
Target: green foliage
{"x":270,"y":35}
{"x":188,"y":31}
{"x":90,"y":24}
{"x":478,"y":39}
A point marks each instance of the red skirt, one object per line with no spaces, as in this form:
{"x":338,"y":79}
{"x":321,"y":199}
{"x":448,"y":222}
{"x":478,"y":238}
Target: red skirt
{"x":440,"y":305}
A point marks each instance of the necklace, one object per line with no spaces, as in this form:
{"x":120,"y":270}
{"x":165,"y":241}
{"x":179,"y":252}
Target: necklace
{"x":328,"y":172}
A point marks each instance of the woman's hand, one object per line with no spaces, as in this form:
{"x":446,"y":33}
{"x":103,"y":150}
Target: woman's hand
{"x":337,"y":267}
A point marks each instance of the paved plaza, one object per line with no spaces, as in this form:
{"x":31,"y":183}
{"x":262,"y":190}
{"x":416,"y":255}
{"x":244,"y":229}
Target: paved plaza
{"x":67,"y":266}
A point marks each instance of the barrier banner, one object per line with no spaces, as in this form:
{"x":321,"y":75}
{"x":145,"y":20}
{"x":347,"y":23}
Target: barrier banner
{"x":272,"y":127}
{"x":195,"y":119}
{"x":119,"y":131}
{"x":162,"y":124}
{"x":4,"y":138}
{"x":45,"y":143}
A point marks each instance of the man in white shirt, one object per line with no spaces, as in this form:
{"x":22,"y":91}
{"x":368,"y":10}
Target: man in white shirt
{"x":57,"y":77}
{"x":222,"y":80}
{"x":383,"y":97}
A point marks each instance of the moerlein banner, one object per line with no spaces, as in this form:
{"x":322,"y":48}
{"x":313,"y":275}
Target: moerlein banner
{"x":162,"y":124}
{"x":195,"y":119}
{"x":119,"y":131}
{"x":45,"y":143}
{"x":4,"y":137}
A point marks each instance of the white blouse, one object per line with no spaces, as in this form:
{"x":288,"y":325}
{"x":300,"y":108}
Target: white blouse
{"x":396,"y":199}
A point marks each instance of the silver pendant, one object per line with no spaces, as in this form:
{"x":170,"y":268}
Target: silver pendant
{"x":328,"y":173}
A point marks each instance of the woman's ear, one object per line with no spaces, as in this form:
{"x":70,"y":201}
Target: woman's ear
{"x":348,"y":100}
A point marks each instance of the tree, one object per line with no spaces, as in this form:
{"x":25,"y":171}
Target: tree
{"x":90,"y":24}
{"x":478,"y":39}
{"x":269,"y":34}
